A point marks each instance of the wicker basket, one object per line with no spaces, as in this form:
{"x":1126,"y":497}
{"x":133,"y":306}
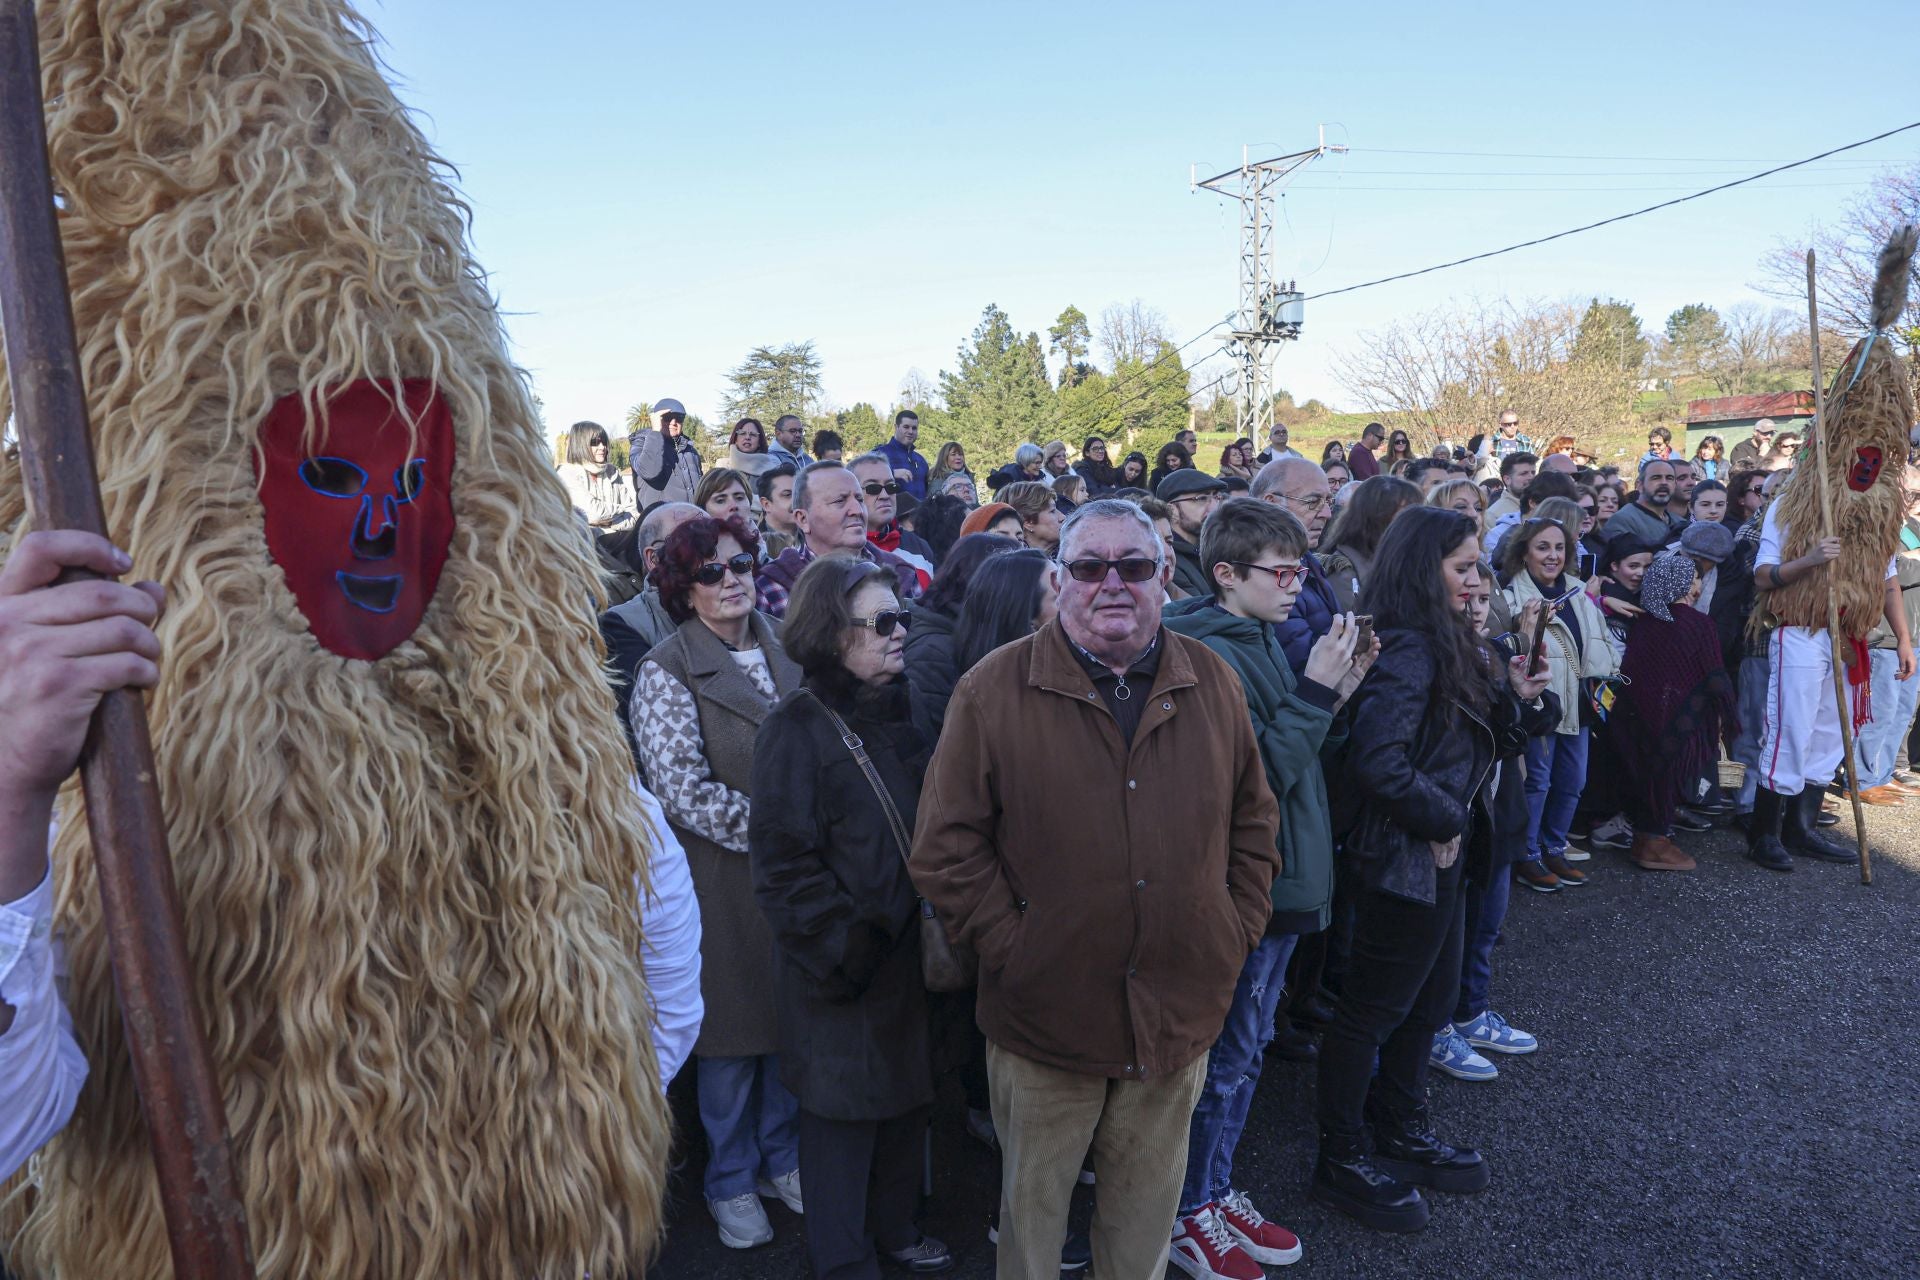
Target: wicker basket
{"x":1733,"y":774}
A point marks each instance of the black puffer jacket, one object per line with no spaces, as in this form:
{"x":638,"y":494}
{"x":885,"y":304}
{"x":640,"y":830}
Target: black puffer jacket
{"x":827,"y":871}
{"x":932,"y":668}
{"x":1102,"y":477}
{"x":1415,"y":768}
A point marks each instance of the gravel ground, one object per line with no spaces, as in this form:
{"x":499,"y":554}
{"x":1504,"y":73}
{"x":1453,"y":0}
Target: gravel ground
{"x":1724,"y":1088}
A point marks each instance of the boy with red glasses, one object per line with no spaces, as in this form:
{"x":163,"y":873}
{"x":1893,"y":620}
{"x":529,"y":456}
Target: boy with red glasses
{"x":1252,"y":552}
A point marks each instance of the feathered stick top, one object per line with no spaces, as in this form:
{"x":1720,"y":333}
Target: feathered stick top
{"x":1891,"y":279}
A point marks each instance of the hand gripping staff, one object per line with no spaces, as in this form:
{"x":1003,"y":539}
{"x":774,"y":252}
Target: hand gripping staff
{"x":206,"y":1224}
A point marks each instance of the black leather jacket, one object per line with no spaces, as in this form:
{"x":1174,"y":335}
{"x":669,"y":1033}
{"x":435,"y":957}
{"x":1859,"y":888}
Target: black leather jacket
{"x":1416,"y":768}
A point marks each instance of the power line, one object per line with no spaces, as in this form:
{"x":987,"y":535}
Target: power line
{"x":1538,"y":155}
{"x":1553,"y":190}
{"x":1621,"y":217}
{"x":1091,"y":413}
{"x":1095,"y":408}
{"x":1570,"y":173}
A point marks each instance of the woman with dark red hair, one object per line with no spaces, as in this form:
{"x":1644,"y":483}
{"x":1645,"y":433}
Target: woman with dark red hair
{"x":698,"y":702}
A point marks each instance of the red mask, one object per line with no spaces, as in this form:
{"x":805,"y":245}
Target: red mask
{"x":360,"y":525}
{"x":1867,"y":461}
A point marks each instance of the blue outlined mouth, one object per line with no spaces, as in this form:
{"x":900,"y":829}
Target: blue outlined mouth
{"x":375,"y":595}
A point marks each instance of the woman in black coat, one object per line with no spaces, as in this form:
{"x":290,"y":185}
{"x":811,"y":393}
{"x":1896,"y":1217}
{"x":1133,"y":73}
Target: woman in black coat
{"x":1096,"y":468}
{"x":1173,"y":456}
{"x":932,"y":670}
{"x":830,"y":874}
{"x":1427,"y":724}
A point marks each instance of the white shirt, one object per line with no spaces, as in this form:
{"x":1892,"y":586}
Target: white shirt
{"x":42,"y":1066}
{"x":1773,"y":537}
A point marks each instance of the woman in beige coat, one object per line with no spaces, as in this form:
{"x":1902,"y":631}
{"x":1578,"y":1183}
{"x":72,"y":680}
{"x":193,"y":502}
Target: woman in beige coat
{"x":1535,"y":565}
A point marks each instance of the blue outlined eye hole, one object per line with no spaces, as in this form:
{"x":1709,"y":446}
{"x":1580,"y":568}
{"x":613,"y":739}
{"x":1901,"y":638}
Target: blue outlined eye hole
{"x":333,"y":477}
{"x":408,"y":480}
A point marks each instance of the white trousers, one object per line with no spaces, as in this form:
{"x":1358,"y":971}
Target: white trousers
{"x":1800,"y":745}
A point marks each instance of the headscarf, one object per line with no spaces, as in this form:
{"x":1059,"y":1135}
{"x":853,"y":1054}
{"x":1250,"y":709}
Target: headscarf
{"x":1668,"y":580}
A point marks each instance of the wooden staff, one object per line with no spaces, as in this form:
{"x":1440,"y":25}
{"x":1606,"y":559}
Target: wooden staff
{"x":172,"y":1069}
{"x":1833,"y":601}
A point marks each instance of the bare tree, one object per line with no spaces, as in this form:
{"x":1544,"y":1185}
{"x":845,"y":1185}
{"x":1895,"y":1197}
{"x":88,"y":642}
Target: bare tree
{"x":1755,"y":340}
{"x":1453,"y":370}
{"x":917,"y":389}
{"x":1845,"y":254}
{"x":1131,"y":332}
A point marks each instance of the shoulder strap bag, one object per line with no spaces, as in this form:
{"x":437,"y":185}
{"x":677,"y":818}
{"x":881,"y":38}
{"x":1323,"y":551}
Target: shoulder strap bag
{"x":943,"y":965}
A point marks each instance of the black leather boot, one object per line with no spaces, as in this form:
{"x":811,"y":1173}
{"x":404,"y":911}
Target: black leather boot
{"x":1763,"y":832}
{"x":1405,"y":1146}
{"x":1803,"y":837}
{"x":1346,"y":1178}
{"x":1292,"y":1042}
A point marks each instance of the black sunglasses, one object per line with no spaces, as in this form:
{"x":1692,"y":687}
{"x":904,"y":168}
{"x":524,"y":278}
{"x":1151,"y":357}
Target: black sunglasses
{"x":874,"y":488}
{"x":884,"y":622}
{"x":1131,"y":569}
{"x":709,"y":575}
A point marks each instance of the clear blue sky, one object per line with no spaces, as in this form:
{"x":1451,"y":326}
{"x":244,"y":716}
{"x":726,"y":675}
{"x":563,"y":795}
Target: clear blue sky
{"x":656,"y":189}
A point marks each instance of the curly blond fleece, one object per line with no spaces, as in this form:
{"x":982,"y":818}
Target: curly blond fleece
{"x":1876,"y":410}
{"x":409,"y":885}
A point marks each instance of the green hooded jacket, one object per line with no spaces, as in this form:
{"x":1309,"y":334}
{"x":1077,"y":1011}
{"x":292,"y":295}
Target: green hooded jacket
{"x":1294,"y":725}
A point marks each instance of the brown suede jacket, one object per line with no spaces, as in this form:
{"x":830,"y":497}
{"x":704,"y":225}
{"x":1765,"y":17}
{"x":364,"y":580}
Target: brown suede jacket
{"x":1113,"y":893}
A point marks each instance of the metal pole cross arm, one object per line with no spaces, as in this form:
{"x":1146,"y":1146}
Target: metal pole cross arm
{"x":172,"y":1068}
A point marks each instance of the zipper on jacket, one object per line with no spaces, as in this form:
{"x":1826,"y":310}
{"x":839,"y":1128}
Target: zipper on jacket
{"x":1493,"y":743}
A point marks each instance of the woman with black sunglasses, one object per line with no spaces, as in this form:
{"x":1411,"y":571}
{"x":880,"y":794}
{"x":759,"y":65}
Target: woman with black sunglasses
{"x":831,"y":877}
{"x":699,"y":700}
{"x":1428,"y":722}
{"x":1399,"y":449}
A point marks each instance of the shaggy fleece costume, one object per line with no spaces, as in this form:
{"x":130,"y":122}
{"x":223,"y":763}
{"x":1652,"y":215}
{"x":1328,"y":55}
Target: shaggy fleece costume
{"x":407,"y":876}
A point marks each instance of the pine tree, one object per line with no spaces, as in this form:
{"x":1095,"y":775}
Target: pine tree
{"x":1071,"y":338}
{"x":772,"y":381}
{"x":999,"y":395}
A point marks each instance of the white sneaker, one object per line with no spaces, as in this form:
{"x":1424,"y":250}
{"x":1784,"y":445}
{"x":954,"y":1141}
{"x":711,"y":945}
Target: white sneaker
{"x":786,"y":1188}
{"x":743,"y":1221}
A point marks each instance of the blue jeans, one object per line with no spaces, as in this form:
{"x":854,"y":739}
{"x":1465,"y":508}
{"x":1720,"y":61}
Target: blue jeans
{"x":1894,"y":701}
{"x":1233,"y":1069}
{"x":752,"y":1123}
{"x":1556,"y":774}
{"x":1486,"y":912}
{"x":1753,"y":717}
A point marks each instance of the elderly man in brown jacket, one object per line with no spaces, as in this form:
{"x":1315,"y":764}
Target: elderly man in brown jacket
{"x":1097,"y":825}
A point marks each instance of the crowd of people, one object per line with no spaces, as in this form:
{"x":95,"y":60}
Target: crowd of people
{"x":893,"y":707}
{"x":1094,"y":783}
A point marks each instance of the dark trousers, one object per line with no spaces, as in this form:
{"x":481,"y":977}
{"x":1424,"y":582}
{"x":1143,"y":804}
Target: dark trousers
{"x":861,"y":1183}
{"x":1485,"y":903}
{"x":1402,"y":976}
{"x":1486,"y":900}
{"x":1339,"y":937}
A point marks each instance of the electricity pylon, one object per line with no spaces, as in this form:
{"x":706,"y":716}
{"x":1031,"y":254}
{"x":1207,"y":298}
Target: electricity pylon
{"x":1270,"y":311}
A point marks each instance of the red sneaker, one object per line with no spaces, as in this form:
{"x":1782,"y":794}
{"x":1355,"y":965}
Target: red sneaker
{"x":1264,"y":1241}
{"x":1203,"y":1248}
